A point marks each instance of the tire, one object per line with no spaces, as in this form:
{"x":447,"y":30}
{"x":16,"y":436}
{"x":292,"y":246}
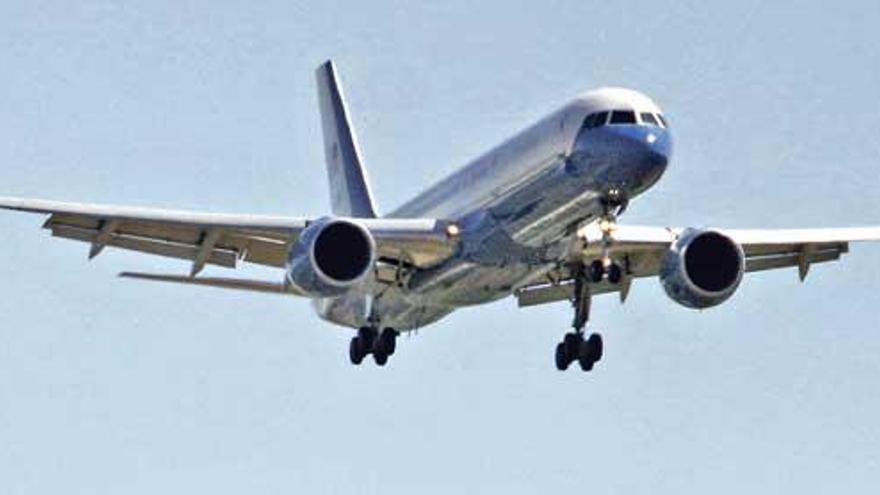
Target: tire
{"x":368,"y":338}
{"x":615,"y":274}
{"x":586,"y":363}
{"x":561,"y":357}
{"x":380,"y":357}
{"x":597,"y":271}
{"x":572,"y":343}
{"x":355,"y":355}
{"x":595,"y":347}
{"x":389,"y":341}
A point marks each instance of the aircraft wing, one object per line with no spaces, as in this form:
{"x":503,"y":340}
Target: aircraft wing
{"x":642,"y":250}
{"x":223,"y":239}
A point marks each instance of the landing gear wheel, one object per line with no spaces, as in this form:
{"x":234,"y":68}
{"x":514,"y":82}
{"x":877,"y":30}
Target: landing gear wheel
{"x":355,"y":351}
{"x":586,"y":363}
{"x":590,"y":352}
{"x":368,"y":338}
{"x":596,"y":347}
{"x":380,"y":357}
{"x":388,"y":341}
{"x":615,"y":274}
{"x":572,"y":343}
{"x":597,"y":271}
{"x":568,"y":350}
{"x":562,"y":360}
{"x":587,"y":352}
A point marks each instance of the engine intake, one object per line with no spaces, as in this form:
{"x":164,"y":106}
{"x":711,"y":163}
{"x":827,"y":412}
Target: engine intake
{"x":331,"y":256}
{"x":703,"y":268}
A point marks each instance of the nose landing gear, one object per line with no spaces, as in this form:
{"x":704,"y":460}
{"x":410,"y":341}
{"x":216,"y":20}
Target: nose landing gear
{"x":614,"y":202}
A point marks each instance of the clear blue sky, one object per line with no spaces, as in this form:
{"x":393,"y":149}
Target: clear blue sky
{"x":110,"y":386}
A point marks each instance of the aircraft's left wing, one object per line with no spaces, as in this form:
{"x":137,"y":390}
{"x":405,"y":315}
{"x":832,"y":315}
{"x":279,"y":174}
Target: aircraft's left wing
{"x":222,"y":239}
{"x":642,"y":250}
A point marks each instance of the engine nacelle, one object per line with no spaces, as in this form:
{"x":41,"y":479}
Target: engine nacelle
{"x":703,"y":268}
{"x":332,"y":256}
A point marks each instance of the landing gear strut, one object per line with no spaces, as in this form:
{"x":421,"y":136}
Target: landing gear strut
{"x":370,"y":341}
{"x":614,"y":202}
{"x":574,"y":346}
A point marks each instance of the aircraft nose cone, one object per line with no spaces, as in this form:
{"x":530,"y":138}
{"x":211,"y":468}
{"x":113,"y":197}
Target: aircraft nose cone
{"x":657,"y":150}
{"x":649,"y":149}
{"x":631,"y":157}
{"x":659,"y":141}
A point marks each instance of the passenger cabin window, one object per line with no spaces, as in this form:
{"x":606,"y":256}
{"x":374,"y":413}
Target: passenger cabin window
{"x":649,"y":119}
{"x":620,"y":117}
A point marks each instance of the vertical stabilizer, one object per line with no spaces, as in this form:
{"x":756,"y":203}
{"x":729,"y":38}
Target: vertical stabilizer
{"x":349,"y":190}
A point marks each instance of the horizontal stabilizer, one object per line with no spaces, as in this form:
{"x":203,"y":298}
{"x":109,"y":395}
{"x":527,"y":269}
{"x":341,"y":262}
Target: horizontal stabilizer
{"x":223,"y":283}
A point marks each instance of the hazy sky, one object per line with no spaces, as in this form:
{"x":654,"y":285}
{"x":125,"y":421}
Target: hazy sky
{"x":112,"y":386}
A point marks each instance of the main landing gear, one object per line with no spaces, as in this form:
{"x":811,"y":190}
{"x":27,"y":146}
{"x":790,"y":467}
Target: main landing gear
{"x":587,"y":351}
{"x":574,"y":347}
{"x":371,"y":341}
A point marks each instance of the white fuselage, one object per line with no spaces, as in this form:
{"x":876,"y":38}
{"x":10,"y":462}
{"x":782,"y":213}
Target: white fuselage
{"x":518,"y":206}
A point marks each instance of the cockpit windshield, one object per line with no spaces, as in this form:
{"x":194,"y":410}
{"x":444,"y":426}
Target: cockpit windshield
{"x":594,"y":120}
{"x":623,"y":117}
{"x":649,"y":119}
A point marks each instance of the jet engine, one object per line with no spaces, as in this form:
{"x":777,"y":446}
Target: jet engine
{"x":331,"y":257}
{"x":703,"y":268}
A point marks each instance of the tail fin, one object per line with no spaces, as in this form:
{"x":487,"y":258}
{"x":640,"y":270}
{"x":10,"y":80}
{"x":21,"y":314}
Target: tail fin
{"x":349,"y":191}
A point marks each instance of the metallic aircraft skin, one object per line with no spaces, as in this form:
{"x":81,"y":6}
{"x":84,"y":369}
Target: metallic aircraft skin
{"x":517,"y":206}
{"x":535,"y":217}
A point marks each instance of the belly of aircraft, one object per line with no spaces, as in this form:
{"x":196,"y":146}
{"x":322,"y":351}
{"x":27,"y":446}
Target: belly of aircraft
{"x":509,"y":244}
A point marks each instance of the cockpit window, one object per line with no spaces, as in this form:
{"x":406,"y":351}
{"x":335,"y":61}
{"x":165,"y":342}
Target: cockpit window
{"x":649,"y":119}
{"x":595,"y":120}
{"x":622,"y":117}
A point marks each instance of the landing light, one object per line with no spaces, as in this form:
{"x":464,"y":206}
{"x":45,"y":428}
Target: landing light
{"x":606,"y":226}
{"x":452,"y":230}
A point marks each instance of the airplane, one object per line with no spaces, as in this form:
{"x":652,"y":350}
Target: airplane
{"x":535,"y":218}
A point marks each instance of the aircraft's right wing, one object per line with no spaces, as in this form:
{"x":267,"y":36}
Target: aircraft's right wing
{"x":642,"y":249}
{"x":224,"y":239}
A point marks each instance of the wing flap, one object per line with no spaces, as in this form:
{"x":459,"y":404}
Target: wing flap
{"x":758,"y":264}
{"x":549,"y":293}
{"x":220,"y":257}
